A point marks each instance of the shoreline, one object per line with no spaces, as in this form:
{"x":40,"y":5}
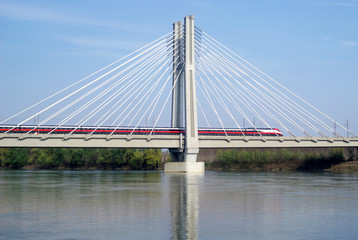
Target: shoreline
{"x":345,"y":167}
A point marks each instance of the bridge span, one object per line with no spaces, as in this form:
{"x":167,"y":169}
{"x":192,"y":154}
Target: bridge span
{"x":167,"y":141}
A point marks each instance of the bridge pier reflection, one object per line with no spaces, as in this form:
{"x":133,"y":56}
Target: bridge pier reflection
{"x":184,"y":201}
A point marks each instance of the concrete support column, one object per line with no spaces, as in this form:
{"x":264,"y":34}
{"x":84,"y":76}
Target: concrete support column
{"x":185,"y":161}
{"x":191,"y":118}
{"x":178,"y":76}
{"x":178,"y":90}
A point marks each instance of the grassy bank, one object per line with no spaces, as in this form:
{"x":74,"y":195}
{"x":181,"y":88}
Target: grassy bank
{"x":282,"y":160}
{"x":80,"y":158}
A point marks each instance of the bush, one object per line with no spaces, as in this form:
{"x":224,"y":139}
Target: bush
{"x":314,"y":162}
{"x":256,"y":159}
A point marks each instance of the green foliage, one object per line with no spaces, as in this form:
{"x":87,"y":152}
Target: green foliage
{"x":72,"y":157}
{"x":152,"y":158}
{"x":137,"y":160}
{"x":225,"y":159}
{"x":90,"y":156}
{"x":3,"y":155}
{"x":53,"y":158}
{"x":314,"y":162}
{"x":166,"y":156}
{"x":45,"y":158}
{"x":263,"y":159}
{"x":104,"y":158}
{"x":14,"y":158}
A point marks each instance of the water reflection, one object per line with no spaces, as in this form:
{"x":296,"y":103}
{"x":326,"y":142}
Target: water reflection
{"x":110,"y":205}
{"x":184,"y":201}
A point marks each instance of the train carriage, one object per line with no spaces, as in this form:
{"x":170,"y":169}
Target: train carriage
{"x":138,"y":131}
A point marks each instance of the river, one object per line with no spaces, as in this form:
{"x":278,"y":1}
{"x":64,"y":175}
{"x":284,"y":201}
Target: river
{"x":154,"y":205}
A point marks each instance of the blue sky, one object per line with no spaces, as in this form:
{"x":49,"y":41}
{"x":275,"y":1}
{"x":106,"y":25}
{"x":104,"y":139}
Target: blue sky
{"x":310,"y":46}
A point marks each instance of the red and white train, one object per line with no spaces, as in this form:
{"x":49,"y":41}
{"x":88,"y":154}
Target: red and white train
{"x":138,"y":131}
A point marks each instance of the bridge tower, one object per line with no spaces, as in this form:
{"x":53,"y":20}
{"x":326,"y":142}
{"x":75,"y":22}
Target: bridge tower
{"x":184,"y":95}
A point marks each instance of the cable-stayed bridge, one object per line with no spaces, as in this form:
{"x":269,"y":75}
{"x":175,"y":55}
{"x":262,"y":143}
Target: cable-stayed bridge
{"x":184,"y":91}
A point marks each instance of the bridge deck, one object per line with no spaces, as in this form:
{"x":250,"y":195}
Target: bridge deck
{"x":166,"y":141}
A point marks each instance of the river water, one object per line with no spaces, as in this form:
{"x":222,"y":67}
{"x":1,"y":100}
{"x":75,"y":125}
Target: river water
{"x":155,"y":205}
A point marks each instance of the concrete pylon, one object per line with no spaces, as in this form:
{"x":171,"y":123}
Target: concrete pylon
{"x":178,"y":90}
{"x":178,"y":76}
{"x":184,"y":160}
{"x":191,"y":117}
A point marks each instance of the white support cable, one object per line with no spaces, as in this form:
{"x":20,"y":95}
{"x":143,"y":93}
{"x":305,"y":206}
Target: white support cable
{"x":207,"y":97}
{"x":283,"y":101}
{"x":90,"y":92}
{"x":142,"y":88}
{"x":211,"y":102}
{"x":246,"y":104}
{"x":157,"y":97}
{"x":139,"y":74}
{"x":257,"y":103}
{"x":232,"y":101}
{"x":220,"y":100}
{"x":227,"y":95}
{"x":98,"y":108}
{"x":210,"y":68}
{"x":175,"y":52}
{"x":142,"y":105}
{"x":204,"y":94}
{"x":137,"y":102}
{"x":81,"y":80}
{"x":269,"y":99}
{"x":167,"y":98}
{"x":236,"y":105}
{"x":280,"y":107}
{"x":197,"y":99}
{"x":150,"y":91}
{"x":332,"y":120}
{"x":77,"y":91}
{"x":116,"y":93}
{"x":111,"y":97}
{"x":202,"y":65}
{"x":265,"y":110}
{"x":322,"y":123}
{"x":202,"y":111}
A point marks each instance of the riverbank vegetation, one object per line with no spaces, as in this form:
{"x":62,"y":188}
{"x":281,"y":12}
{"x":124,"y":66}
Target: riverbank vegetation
{"x":80,"y":158}
{"x":280,"y":160}
{"x":154,"y":159}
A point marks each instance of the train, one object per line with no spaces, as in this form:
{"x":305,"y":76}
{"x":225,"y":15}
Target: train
{"x":138,"y":131}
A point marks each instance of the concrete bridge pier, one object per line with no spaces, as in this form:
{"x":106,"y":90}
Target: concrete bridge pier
{"x":184,"y":160}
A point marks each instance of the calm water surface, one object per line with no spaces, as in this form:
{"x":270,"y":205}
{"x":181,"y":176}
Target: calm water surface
{"x":154,"y":205}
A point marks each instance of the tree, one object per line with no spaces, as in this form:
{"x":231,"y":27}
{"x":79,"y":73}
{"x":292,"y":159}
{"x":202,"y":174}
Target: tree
{"x":15,"y":158}
{"x":3,"y":154}
{"x":137,"y":160}
{"x":73,"y":157}
{"x":152,"y":158}
{"x":104,"y":159}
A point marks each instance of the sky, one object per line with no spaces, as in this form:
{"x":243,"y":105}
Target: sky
{"x":310,"y":46}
